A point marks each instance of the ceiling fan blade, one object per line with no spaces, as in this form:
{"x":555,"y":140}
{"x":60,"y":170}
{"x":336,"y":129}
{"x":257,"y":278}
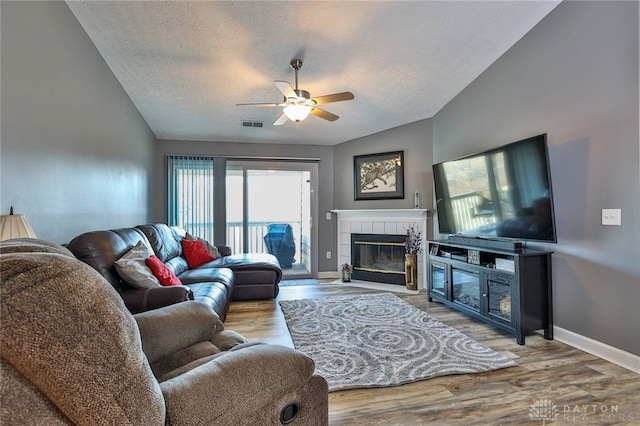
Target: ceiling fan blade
{"x":286,"y":89}
{"x":280,"y":121}
{"x":324,"y":114}
{"x":336,"y":97}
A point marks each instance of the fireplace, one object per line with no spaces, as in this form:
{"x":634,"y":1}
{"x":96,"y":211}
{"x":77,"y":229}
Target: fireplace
{"x":379,"y":222}
{"x":378,"y":257}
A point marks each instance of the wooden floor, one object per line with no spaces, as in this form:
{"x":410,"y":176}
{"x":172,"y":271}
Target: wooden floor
{"x":579,"y":388}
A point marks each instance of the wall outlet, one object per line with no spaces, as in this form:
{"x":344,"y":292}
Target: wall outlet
{"x":612,"y":217}
{"x":328,"y":216}
{"x":328,"y":254}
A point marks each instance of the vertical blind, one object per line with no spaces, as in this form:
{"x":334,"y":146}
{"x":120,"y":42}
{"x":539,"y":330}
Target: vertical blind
{"x":190,"y":194}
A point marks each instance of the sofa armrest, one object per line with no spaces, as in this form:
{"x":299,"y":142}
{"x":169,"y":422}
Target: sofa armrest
{"x":250,"y":383}
{"x":167,"y":330}
{"x":144,"y":299}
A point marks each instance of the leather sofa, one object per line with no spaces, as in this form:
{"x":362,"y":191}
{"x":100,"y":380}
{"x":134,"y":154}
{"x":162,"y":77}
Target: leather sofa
{"x":71,"y":353}
{"x":216,"y":283}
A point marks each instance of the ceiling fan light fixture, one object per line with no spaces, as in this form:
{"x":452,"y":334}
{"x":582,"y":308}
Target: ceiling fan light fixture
{"x":297,"y":113}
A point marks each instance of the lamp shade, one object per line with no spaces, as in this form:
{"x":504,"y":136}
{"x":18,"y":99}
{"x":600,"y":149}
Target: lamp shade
{"x":15,"y":226}
{"x":297,"y":113}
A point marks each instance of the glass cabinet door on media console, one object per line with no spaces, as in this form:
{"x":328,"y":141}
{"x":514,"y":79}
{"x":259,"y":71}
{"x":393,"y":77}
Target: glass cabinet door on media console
{"x":439,"y":278}
{"x":466,"y":288}
{"x":498,"y":296}
{"x":488,"y":284}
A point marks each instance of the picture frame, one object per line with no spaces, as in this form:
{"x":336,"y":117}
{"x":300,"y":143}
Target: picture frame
{"x":379,"y":176}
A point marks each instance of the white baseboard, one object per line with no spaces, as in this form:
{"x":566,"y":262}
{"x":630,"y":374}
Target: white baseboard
{"x":599,"y":349}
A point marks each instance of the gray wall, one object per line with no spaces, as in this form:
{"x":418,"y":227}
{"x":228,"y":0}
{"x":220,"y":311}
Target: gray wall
{"x":414,"y":139}
{"x":326,"y":232}
{"x":75,"y":154}
{"x":575,"y":77}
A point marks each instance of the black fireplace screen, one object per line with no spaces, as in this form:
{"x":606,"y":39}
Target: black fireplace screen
{"x":378,"y":258}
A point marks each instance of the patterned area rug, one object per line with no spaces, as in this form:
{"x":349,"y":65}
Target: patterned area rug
{"x":378,"y":340}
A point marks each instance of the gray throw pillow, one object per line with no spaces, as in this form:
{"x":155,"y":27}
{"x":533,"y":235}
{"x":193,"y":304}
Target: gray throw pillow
{"x":213,"y":250}
{"x":133,"y":269}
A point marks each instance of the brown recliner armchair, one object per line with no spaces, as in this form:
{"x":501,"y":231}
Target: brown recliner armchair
{"x":73,"y":354}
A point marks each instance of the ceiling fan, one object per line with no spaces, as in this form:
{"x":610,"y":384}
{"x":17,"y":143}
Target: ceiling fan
{"x":298,"y":104}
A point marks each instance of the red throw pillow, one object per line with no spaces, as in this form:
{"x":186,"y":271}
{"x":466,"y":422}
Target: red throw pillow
{"x":196,"y":253}
{"x":161,"y":272}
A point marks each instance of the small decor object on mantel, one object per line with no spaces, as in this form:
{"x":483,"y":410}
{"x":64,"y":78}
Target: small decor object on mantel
{"x":412,"y":246}
{"x":347,"y":270}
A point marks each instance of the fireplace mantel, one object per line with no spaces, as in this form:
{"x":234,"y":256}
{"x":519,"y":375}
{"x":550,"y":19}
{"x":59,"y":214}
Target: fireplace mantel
{"x":379,"y":221}
{"x":380,"y":213}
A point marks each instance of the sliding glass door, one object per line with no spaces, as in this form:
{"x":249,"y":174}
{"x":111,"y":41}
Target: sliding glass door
{"x":251,"y":206}
{"x":269,"y":209}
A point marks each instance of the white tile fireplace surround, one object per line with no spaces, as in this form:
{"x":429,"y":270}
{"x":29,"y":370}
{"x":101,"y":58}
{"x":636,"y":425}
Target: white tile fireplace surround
{"x":381,"y":221}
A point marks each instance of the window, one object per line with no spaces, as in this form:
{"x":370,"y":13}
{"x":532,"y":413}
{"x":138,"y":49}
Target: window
{"x":191,"y":194}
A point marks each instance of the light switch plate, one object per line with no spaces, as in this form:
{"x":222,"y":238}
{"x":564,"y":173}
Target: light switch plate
{"x":612,"y":217}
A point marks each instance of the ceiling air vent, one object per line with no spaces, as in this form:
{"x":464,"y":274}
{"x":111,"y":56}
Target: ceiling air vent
{"x":247,"y":123}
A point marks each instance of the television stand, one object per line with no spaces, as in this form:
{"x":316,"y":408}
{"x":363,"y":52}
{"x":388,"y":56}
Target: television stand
{"x":486,"y":242}
{"x":508,"y":289}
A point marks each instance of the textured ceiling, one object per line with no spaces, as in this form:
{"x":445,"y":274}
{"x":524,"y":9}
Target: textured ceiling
{"x":185,"y":64}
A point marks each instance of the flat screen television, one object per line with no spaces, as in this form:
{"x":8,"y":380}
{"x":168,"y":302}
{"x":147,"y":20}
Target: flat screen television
{"x":502,"y":193}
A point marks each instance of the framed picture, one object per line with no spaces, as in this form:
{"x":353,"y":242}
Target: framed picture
{"x":379,"y":176}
